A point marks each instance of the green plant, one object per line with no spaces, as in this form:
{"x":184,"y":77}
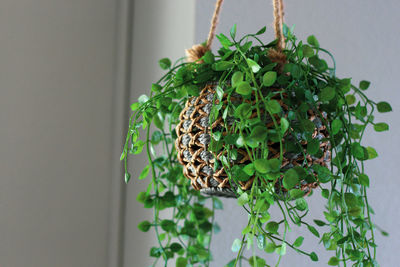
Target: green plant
{"x":305,"y":82}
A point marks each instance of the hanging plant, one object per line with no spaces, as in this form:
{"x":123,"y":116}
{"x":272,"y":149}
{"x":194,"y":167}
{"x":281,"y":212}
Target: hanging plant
{"x":268,"y":124}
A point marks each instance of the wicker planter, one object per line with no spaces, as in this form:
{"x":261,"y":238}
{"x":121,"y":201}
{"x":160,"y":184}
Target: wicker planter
{"x":194,"y":137}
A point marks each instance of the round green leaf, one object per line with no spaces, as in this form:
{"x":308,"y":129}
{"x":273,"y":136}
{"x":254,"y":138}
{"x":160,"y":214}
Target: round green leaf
{"x":144,"y":226}
{"x":290,"y":179}
{"x":333,"y":261}
{"x":273,"y":106}
{"x":381,"y":127}
{"x":313,"y":256}
{"x":272,"y":227}
{"x":327,"y":94}
{"x":237,"y":77}
{"x":261,"y":165}
{"x":308,"y":51}
{"x":243,"y":88}
{"x":259,"y":133}
{"x":164,"y":63}
{"x":336,"y":126}
{"x":243,"y":111}
{"x":312,"y":40}
{"x":269,"y":78}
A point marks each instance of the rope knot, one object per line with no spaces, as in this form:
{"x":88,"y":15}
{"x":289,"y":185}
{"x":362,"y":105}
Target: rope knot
{"x":195,"y":53}
{"x":277,"y":56}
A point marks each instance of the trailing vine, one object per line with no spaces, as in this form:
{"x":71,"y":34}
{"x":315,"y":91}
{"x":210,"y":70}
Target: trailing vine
{"x":304,"y":82}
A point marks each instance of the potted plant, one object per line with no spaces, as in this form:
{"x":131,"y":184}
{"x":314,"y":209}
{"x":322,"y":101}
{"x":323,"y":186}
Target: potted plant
{"x":267,"y":126}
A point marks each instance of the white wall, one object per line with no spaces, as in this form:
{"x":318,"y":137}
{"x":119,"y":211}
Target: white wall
{"x":160,"y":29}
{"x":363,"y":36}
{"x":57,"y":62}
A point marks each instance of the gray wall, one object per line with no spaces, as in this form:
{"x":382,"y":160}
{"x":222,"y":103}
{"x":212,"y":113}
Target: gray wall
{"x":363,"y":35}
{"x":56,"y":94}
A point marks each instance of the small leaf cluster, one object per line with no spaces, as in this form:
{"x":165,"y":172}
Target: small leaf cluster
{"x":250,"y":97}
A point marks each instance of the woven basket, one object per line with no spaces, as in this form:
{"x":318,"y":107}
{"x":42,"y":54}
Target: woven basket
{"x":198,"y":162}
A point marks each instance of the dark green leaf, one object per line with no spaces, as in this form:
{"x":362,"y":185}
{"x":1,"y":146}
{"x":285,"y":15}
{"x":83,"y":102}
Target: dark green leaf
{"x":327,"y":94}
{"x":165,"y":63}
{"x":259,"y":133}
{"x":313,"y":147}
{"x":223,"y":65}
{"x":181,"y":262}
{"x":350,"y":99}
{"x":384,"y":107}
{"x":319,"y":223}
{"x":313,"y":230}
{"x":314,"y":256}
{"x":364,"y":85}
{"x":290,"y":179}
{"x":301,"y":204}
{"x":272,"y":227}
{"x":144,"y":226}
{"x":209,"y":57}
{"x":336,"y":126}
{"x":261,"y":31}
{"x":225,"y":42}
{"x":308,"y":51}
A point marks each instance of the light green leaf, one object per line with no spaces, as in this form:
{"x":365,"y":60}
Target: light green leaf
{"x":236,"y":245}
{"x":237,"y":77}
{"x":253,"y":65}
{"x":371,"y":153}
{"x":298,"y":242}
{"x":333,"y":261}
{"x":144,"y":172}
{"x":336,"y":126}
{"x":381,"y":127}
{"x":181,"y":262}
{"x":261,"y":165}
{"x":209,"y":57}
{"x":273,"y":106}
{"x":243,"y":88}
{"x":364,"y":180}
{"x":269,"y":78}
{"x":312,"y":40}
{"x":243,"y":199}
{"x":284,"y":125}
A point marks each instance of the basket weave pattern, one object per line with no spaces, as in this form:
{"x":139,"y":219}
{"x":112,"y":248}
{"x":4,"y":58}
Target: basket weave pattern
{"x":194,"y":137}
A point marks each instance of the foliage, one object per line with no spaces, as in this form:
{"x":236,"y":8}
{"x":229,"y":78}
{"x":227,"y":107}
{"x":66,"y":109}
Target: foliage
{"x":306,"y":82}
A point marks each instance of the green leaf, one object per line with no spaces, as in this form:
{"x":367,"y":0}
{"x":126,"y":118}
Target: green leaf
{"x":261,"y":241}
{"x":236,"y":245}
{"x":156,"y":88}
{"x":243,"y":88}
{"x":269,"y":78}
{"x":272,"y":227}
{"x":259,"y":133}
{"x":217,"y":204}
{"x":319,"y":223}
{"x":237,"y":77}
{"x":233,"y":31}
{"x":336,"y":126}
{"x":290,"y":179}
{"x":384,"y":107}
{"x":225,"y":42}
{"x":243,"y":199}
{"x":313,"y":256}
{"x":308,"y":51}
{"x":296,"y":193}
{"x":308,"y":125}
{"x":313,"y":147}
{"x":249,"y":169}
{"x":181,"y":262}
{"x":165,"y":63}
{"x":209,"y":57}
{"x":144,"y":226}
{"x":135,"y":106}
{"x":167,"y":225}
{"x":298,"y":242}
{"x":274,"y":164}
{"x":144,"y":172}
{"x":243,"y":111}
{"x":262,"y":30}
{"x":175,"y":247}
{"x":325,"y":193}
{"x":312,"y":40}
{"x":223,"y":65}
{"x":350,"y":99}
{"x":350,"y":199}
{"x":273,"y":106}
{"x":261,"y":165}
{"x":281,"y":250}
{"x":371,"y":153}
{"x":357,"y":151}
{"x":364,"y":85}
{"x":127,"y":177}
{"x":284,"y":125}
{"x":364,"y":180}
{"x":253,"y":65}
{"x":333,"y":261}
{"x":381,"y":127}
{"x":327,"y":94}
{"x":270,"y":247}
{"x":313,"y":230}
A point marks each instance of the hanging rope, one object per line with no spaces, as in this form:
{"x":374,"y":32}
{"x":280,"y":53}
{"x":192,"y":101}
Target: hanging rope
{"x":276,"y":54}
{"x":197,"y":51}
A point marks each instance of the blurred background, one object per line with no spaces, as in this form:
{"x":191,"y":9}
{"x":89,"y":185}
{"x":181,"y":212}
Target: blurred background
{"x":68,"y":71}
